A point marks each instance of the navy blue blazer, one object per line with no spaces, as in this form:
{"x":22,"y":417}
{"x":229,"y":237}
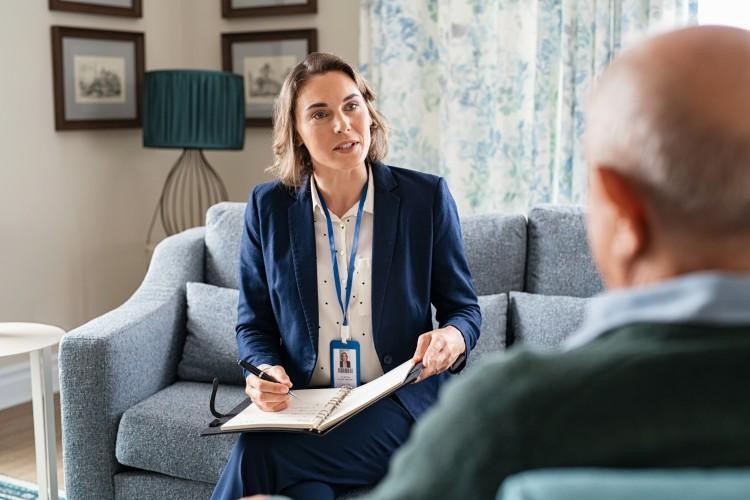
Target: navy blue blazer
{"x":417,"y":259}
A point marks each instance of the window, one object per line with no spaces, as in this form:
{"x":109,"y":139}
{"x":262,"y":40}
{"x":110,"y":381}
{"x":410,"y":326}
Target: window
{"x":726,"y":12}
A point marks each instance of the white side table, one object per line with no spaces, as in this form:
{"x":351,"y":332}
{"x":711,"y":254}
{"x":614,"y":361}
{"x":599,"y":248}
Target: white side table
{"x":38,"y":340}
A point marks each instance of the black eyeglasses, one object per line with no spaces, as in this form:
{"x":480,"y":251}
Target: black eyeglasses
{"x":220,"y":417}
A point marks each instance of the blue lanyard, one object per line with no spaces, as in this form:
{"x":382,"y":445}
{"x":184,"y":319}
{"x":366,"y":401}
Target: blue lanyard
{"x":332,"y":245}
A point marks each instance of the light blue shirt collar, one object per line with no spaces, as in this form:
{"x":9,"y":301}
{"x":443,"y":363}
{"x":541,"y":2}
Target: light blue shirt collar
{"x":706,"y":297}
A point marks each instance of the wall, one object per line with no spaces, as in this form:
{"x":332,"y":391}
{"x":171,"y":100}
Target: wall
{"x":75,"y":206}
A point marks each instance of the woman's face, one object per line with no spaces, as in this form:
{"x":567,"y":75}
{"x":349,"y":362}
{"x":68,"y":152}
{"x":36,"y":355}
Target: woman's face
{"x":333,"y":122}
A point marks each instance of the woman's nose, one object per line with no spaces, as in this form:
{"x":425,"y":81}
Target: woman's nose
{"x":341,"y":123}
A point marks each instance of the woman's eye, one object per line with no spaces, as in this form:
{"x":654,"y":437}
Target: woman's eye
{"x":318,"y":115}
{"x":352,"y":106}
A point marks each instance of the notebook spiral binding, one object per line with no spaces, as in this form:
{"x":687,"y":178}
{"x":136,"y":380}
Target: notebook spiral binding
{"x":332,"y":404}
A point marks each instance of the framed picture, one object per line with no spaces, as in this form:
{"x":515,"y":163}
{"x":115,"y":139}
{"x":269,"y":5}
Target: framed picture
{"x":97,"y":78}
{"x":264,"y":58}
{"x":126,"y":8}
{"x":252,"y":8}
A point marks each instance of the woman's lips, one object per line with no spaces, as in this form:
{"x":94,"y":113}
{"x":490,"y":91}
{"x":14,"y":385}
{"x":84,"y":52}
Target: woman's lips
{"x":346,"y":147}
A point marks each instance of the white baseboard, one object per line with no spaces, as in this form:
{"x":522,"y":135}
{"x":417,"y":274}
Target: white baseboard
{"x":15,"y":383}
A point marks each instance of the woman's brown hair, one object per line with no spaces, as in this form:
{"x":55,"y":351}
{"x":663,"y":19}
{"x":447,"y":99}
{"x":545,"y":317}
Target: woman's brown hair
{"x":291,"y":161}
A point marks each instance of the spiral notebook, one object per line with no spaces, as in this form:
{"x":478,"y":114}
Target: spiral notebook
{"x":319,"y":410}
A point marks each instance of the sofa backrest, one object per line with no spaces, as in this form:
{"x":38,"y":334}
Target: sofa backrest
{"x":558,"y":261}
{"x":532,"y":276}
{"x":495,"y":246}
{"x":223,"y":231}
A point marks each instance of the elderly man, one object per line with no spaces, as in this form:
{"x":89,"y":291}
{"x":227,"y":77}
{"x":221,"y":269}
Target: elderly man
{"x":658,"y":375}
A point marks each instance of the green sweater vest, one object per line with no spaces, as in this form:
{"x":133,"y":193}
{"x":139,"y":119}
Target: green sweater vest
{"x":645,"y":395}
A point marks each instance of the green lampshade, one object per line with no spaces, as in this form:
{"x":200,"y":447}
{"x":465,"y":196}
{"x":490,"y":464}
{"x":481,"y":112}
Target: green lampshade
{"x":193,"y":109}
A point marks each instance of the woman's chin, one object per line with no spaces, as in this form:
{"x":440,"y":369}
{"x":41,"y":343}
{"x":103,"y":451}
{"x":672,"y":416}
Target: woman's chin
{"x":339,"y":163}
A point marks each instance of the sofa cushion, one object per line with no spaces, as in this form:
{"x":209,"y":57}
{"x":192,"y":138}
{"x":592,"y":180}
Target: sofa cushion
{"x":162,"y":433}
{"x":492,"y":333}
{"x":495,"y":247}
{"x":139,"y":484}
{"x":223,"y":231}
{"x":210,"y":345}
{"x":559,"y":259}
{"x":543,"y":321}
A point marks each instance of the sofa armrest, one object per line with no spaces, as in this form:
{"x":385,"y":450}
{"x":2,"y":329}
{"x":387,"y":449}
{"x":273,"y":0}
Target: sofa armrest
{"x":728,"y":483}
{"x":117,"y":360}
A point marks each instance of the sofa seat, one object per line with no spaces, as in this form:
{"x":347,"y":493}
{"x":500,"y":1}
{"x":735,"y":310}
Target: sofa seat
{"x":162,"y":433}
{"x":140,"y":484}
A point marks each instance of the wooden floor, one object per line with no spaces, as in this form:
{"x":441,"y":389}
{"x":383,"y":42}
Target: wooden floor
{"x":17,"y":443}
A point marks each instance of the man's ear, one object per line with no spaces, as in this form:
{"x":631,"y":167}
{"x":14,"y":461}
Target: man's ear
{"x":630,"y":235}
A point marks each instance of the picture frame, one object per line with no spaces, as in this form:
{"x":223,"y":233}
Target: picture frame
{"x":264,"y":58}
{"x":123,"y":8}
{"x":258,"y":8}
{"x":97,"y":78}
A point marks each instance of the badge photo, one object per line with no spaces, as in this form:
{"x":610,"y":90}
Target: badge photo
{"x":345,"y":363}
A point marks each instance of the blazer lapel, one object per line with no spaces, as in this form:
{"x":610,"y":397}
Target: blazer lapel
{"x":387,"y":205}
{"x":302,"y":237}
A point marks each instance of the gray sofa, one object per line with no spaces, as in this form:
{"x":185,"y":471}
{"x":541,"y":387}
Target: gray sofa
{"x":135,"y":382}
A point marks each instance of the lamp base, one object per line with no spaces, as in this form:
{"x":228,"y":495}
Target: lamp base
{"x":191,"y":187}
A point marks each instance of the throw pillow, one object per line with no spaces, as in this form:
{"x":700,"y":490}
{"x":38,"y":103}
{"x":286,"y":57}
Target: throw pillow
{"x":210,"y":346}
{"x":492,"y":333}
{"x":543,"y":321}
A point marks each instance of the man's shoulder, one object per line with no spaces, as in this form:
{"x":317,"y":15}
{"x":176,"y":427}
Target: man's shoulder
{"x":525,"y":379}
{"x":529,"y":378}
{"x":526,"y":374}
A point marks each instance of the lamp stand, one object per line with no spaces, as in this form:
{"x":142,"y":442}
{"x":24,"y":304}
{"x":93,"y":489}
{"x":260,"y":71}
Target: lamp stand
{"x":191,"y":187}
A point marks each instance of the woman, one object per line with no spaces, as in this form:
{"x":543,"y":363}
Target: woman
{"x":394,"y":237}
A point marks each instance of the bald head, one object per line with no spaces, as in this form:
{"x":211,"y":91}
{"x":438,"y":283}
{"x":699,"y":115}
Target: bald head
{"x":673,"y":116}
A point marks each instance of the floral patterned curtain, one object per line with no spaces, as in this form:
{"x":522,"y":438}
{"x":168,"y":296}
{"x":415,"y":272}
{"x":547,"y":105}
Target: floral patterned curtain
{"x":490,"y":93}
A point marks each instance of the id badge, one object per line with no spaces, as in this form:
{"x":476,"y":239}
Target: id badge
{"x":344,"y":363}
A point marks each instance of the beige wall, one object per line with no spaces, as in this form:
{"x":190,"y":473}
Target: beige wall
{"x":75,"y":206}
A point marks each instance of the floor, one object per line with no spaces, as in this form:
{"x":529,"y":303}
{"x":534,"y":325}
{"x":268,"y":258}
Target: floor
{"x":17,"y":443}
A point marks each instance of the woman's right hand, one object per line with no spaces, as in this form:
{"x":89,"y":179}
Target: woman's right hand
{"x":269,"y":396}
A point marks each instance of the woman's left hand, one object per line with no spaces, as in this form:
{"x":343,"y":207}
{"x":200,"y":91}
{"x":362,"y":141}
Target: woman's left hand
{"x":438,"y":350}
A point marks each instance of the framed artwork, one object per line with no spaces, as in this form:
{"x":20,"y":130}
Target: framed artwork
{"x":97,"y":78}
{"x":264,"y":58}
{"x":126,"y":8}
{"x":252,"y":8}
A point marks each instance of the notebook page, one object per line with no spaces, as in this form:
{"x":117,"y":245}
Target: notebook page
{"x":300,"y":414}
{"x":365,"y":394}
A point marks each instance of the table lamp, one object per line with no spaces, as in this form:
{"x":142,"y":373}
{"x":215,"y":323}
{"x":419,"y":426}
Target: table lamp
{"x":192,"y":110}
